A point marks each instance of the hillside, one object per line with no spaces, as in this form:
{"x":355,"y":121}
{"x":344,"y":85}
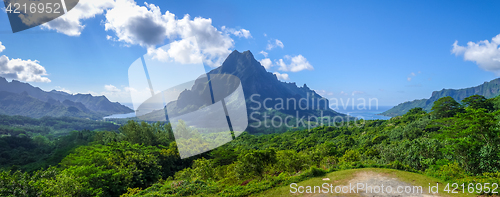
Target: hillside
{"x":143,"y":159}
{"x":487,"y":89}
{"x":18,"y":98}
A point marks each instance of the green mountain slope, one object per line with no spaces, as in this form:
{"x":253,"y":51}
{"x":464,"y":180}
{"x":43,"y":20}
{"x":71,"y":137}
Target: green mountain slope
{"x":96,"y":104}
{"x":25,"y":105}
{"x":487,"y":89}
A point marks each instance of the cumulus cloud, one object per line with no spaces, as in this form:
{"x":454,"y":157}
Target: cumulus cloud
{"x":297,"y":63}
{"x":273,"y":43}
{"x":484,"y":53}
{"x":242,"y":33}
{"x":185,"y":51}
{"x":283,"y":76}
{"x":22,"y":70}
{"x":146,"y":26}
{"x":142,"y":25}
{"x":71,"y":22}
{"x":267,"y":63}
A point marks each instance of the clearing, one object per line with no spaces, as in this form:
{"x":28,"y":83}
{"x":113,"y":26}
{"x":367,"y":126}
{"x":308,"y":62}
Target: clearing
{"x":394,"y":182}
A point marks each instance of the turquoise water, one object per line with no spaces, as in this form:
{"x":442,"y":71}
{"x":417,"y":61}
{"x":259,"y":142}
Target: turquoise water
{"x":367,"y":114}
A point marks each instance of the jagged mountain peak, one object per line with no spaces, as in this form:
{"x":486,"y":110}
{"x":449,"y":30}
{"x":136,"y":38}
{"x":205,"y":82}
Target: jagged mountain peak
{"x":238,"y":63}
{"x":256,"y":79}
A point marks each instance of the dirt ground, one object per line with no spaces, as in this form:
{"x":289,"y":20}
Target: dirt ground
{"x":376,"y":181}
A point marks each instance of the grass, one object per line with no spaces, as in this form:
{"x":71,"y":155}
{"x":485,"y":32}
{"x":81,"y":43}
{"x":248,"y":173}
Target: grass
{"x":343,"y":177}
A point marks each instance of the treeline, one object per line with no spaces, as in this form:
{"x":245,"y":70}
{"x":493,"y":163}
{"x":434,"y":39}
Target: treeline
{"x":456,"y":142}
{"x":49,"y":126}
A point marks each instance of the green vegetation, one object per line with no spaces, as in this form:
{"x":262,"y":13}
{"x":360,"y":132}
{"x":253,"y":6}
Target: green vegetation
{"x":30,"y":144}
{"x":50,"y":127}
{"x":454,"y":143}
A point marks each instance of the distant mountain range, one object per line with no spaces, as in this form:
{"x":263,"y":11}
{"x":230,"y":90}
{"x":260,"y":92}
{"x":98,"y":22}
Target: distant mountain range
{"x":18,"y":98}
{"x":487,"y":89}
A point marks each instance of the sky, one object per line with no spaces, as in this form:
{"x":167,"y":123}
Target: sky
{"x":394,"y":51}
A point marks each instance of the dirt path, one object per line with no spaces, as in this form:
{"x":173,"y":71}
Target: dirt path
{"x":373,"y":182}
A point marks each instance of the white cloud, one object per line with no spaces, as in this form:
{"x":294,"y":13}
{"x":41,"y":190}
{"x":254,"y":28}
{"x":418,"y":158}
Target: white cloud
{"x":283,"y":76}
{"x":343,"y":93}
{"x":1,"y":47}
{"x":242,"y":33}
{"x":185,"y":51}
{"x":411,"y":75}
{"x":273,"y":43}
{"x":484,"y":53}
{"x":22,"y":70}
{"x":263,"y":53}
{"x":297,"y":63}
{"x":111,"y":88}
{"x":267,"y":63}
{"x":142,"y":25}
{"x":147,"y":26}
{"x":71,"y":22}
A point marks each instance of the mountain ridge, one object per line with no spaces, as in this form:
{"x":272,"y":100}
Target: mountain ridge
{"x":487,"y":89}
{"x":56,"y":103}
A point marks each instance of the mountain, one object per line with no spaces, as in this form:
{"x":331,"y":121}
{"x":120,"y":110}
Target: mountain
{"x":257,"y":81}
{"x":259,"y":87}
{"x":487,"y":89}
{"x":18,"y":98}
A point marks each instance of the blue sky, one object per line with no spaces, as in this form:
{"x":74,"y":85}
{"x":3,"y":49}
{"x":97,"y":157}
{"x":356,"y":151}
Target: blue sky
{"x":394,"y":51}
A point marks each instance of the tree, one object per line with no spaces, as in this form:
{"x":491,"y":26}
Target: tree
{"x":109,"y":170}
{"x":472,"y":139}
{"x":255,"y":162}
{"x":446,"y":107}
{"x":416,"y":110}
{"x":477,"y":102}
